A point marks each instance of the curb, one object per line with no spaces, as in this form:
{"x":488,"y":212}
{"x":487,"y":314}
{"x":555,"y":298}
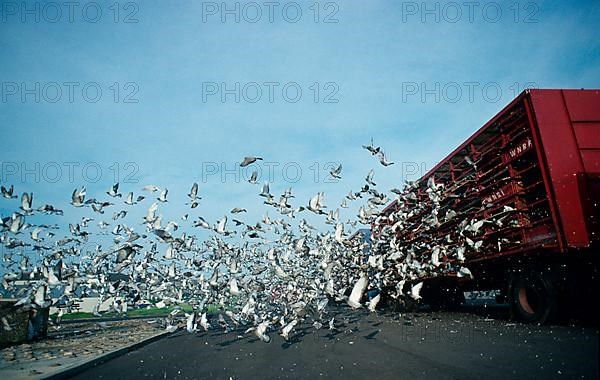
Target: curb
{"x":111,"y":319}
{"x":77,"y":368}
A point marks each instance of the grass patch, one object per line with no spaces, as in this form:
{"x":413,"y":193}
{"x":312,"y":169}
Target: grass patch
{"x":145,"y":312}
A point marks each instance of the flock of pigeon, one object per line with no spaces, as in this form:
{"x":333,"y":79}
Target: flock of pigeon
{"x":269,"y":275}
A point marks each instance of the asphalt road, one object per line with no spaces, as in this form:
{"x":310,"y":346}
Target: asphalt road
{"x":464,"y":345}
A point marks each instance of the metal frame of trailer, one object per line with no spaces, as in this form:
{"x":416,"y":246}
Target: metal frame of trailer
{"x":540,"y":158}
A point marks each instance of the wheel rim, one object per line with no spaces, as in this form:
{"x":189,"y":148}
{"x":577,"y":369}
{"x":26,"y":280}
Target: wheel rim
{"x":524,"y":301}
{"x":531,"y":299}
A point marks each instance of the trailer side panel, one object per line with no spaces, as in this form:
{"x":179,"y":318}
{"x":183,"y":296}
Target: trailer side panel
{"x":568,"y":127}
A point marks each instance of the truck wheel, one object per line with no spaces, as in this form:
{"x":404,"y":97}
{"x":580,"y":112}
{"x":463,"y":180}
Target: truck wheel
{"x":533,"y":298}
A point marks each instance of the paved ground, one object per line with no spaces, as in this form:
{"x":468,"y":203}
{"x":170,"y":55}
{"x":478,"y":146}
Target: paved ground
{"x":70,"y":345}
{"x":465,"y":345}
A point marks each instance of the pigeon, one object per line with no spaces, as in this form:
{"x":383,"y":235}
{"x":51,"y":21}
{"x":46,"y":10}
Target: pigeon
{"x":35,"y":234}
{"x":204,"y":322}
{"x":233,"y":287}
{"x":332,"y":324}
{"x":78,"y":197}
{"x":114,"y":191}
{"x":8,"y":193}
{"x":357,"y":292}
{"x":373,"y":302}
{"x":371,"y":148}
{"x":151,"y":213}
{"x":119,"y":215}
{"x":261,"y":331}
{"x":249,"y":160}
{"x":151,"y":188}
{"x":335,"y":173}
{"x":194,"y":192}
{"x":285,"y":332}
{"x":415,"y":291}
{"x":265,"y":191}
{"x":316,"y":203}
{"x":163,"y":195}
{"x":201,"y":223}
{"x":253,"y":178}
{"x":50,"y":210}
{"x":280,"y":269}
{"x":129,"y":199}
{"x":221,"y":225}
{"x":369,"y":178}
{"x":191,"y":325}
{"x":26,"y":203}
{"x":470,"y":162}
{"x":464,"y":272}
{"x":383,"y":160}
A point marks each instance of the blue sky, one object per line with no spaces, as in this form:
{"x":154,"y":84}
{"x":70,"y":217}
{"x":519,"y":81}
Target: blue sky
{"x":370,"y":58}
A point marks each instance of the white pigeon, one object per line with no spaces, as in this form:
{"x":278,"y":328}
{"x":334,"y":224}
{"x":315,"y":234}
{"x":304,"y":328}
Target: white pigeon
{"x":6,"y":325}
{"x":151,"y":213}
{"x":374,"y":301}
{"x":357,"y":292}
{"x":415,"y":291}
{"x":234,"y":290}
{"x":339,"y":233}
{"x":191,"y":323}
{"x":316,"y":203}
{"x":285,"y":332}
{"x":332,"y":324}
{"x":464,"y":272}
{"x":163,"y":195}
{"x":261,"y":331}
{"x":221,"y":225}
{"x":204,"y":322}
{"x":151,"y":188}
{"x":129,"y":199}
{"x":35,"y":234}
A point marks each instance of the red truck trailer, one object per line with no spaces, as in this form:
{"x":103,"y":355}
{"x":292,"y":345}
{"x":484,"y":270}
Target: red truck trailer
{"x":539,"y":158}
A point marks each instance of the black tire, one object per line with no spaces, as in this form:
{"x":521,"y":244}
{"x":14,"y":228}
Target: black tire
{"x":533,"y":298}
